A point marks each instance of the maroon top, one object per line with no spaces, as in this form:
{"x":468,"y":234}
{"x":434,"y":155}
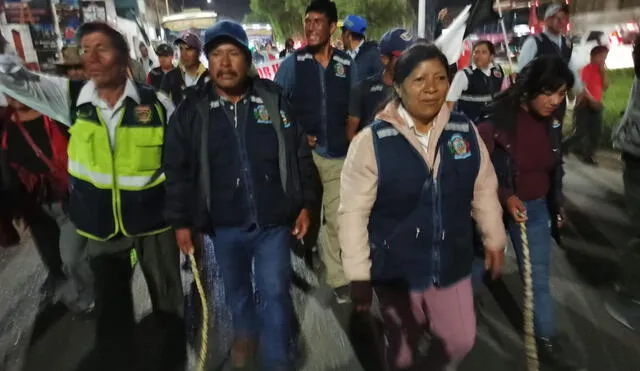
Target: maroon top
{"x":534,"y":160}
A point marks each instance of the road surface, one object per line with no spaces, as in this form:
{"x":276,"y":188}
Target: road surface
{"x":37,"y":339}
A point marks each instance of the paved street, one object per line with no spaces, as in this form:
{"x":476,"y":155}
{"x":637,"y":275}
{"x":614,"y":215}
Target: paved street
{"x":331,"y":339}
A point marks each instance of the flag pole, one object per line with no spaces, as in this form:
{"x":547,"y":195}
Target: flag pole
{"x":504,"y":34}
{"x":422,"y":17}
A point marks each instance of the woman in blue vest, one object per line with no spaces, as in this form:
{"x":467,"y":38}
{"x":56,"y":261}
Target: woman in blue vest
{"x":410,"y":185}
{"x":474,"y":88}
{"x":524,"y":140}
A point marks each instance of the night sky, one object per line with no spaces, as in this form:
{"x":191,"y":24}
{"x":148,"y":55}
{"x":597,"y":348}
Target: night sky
{"x":235,"y":9}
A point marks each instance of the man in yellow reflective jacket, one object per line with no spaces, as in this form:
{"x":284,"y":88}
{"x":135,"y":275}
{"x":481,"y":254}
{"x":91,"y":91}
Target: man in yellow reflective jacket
{"x":117,"y":187}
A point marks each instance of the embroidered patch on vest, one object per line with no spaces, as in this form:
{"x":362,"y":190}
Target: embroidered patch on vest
{"x":255,"y":99}
{"x":387,"y":132}
{"x":340,"y":70}
{"x":214,"y":104}
{"x":456,"y":126}
{"x":459,"y":148}
{"x":84,"y":112}
{"x":143,"y":114}
{"x":261,"y":115}
{"x":497,"y":74}
{"x":375,"y":88}
{"x":285,"y":120}
{"x":556,"y":124}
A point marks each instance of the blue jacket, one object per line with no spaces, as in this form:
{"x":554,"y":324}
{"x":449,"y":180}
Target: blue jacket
{"x":221,"y":174}
{"x":368,"y":60}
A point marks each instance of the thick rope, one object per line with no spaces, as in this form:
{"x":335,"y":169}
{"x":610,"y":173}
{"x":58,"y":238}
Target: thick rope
{"x":528,"y":311}
{"x":204,"y":331}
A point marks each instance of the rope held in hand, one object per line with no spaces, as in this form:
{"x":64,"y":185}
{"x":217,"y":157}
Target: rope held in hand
{"x":528,"y":310}
{"x":204,"y":331}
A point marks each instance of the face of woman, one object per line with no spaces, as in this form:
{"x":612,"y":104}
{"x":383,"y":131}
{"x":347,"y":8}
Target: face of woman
{"x":482,"y":56}
{"x":423,"y":92}
{"x":546,"y":103}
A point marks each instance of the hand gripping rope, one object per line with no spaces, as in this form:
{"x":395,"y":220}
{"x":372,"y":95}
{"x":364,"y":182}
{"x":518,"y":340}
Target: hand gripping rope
{"x":204,"y":330}
{"x":530,"y":347}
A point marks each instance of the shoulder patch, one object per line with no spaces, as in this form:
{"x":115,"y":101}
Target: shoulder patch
{"x":457,"y":126}
{"x":386,"y":132}
{"x":346,"y":62}
{"x":303,"y":57}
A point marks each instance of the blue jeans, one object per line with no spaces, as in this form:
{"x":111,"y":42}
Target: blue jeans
{"x":539,"y":236}
{"x":268,"y":318}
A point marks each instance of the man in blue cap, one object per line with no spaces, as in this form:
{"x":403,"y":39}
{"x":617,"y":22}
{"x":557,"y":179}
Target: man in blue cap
{"x":239,"y":170}
{"x":369,"y":94}
{"x":365,"y":53}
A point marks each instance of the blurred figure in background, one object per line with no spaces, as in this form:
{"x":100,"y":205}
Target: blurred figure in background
{"x":71,"y":63}
{"x":145,"y":59}
{"x":371,"y":92}
{"x":288,"y":48}
{"x":473,"y":89}
{"x":364,"y":53}
{"x":194,"y":73}
{"x":587,"y":114}
{"x":166,"y":77}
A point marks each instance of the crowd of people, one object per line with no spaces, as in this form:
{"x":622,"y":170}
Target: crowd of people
{"x":413,"y":176}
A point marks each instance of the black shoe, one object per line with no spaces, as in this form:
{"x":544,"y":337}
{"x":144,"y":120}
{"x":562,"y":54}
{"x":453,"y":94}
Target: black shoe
{"x":551,"y":353}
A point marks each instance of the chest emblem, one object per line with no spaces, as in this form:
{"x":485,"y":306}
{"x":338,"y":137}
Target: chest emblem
{"x":285,"y":120}
{"x":556,"y":124}
{"x":261,"y":115}
{"x":143,"y":114}
{"x":459,"y":148}
{"x":339,"y":67}
{"x":497,"y":74}
{"x":84,"y":113}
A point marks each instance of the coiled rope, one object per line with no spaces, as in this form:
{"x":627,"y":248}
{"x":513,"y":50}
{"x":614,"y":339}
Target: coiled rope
{"x":204,"y":330}
{"x":528,"y":310}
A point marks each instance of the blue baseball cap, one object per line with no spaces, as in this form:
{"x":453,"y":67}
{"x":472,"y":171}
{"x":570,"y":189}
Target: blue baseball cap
{"x":395,"y":41}
{"x":355,"y":23}
{"x":226,"y":30}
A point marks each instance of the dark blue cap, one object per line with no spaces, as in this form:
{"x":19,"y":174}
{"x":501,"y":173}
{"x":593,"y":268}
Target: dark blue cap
{"x":226,"y":30}
{"x":395,"y":41}
{"x":355,"y":23}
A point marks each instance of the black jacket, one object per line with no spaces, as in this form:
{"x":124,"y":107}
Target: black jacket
{"x":187,"y":166}
{"x":170,"y":83}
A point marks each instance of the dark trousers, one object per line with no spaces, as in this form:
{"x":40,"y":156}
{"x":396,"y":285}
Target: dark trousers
{"x":46,"y":236}
{"x":629,"y":268}
{"x":158,"y":256}
{"x":588,"y":128}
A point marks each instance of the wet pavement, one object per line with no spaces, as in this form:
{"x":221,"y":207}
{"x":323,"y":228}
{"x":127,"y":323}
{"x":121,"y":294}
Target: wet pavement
{"x":331,"y":338}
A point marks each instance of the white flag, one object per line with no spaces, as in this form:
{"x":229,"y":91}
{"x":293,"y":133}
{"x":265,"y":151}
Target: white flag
{"x":450,"y":42}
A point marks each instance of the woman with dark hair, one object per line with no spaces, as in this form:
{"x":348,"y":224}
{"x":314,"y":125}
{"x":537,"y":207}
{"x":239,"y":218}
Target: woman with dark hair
{"x":524,"y":140}
{"x":413,"y":183}
{"x":474,"y":88}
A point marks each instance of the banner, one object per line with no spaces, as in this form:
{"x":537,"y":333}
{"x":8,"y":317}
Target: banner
{"x":268,"y":70}
{"x":19,"y":37}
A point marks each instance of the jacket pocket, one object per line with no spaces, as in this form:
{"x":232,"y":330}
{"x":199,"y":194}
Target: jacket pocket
{"x":148,"y":151}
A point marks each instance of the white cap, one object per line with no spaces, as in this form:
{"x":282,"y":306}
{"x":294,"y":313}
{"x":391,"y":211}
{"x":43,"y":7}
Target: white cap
{"x":552,"y":10}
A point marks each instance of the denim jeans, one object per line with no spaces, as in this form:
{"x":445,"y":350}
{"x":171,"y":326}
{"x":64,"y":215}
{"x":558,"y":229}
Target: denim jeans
{"x":539,"y":237}
{"x":269,"y":316}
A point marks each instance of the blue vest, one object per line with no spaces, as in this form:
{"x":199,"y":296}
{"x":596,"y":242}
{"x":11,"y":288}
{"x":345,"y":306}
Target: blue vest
{"x":373,"y":93}
{"x":323,"y":93}
{"x":475,"y":102}
{"x":245,"y":181}
{"x":420,"y":228}
{"x":547,"y":47}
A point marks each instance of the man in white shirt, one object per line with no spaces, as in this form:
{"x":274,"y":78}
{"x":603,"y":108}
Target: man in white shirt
{"x":117,"y":187}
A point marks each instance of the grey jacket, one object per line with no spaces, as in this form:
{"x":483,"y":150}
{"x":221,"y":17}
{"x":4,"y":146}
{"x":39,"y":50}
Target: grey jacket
{"x":626,"y":137}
